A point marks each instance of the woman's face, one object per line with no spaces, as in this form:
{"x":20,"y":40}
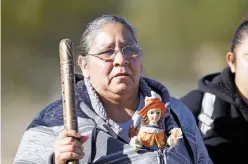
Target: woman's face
{"x":154,"y":115}
{"x":119,"y":76}
{"x":240,"y":67}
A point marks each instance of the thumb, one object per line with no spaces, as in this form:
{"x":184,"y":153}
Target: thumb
{"x":84,"y":138}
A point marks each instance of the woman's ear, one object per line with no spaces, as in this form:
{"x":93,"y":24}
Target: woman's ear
{"x":230,"y":58}
{"x":83,"y":65}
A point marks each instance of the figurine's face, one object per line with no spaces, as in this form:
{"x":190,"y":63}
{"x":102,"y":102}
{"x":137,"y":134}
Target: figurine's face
{"x":154,"y":115}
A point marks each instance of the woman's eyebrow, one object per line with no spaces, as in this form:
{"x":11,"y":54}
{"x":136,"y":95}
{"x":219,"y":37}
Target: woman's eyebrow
{"x":106,"y":46}
{"x":128,"y":43}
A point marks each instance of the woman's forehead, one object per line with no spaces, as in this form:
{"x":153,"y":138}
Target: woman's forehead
{"x":243,"y":46}
{"x":113,"y":33}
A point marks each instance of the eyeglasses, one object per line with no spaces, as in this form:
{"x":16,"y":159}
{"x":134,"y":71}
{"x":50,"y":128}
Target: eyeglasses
{"x":131,"y":51}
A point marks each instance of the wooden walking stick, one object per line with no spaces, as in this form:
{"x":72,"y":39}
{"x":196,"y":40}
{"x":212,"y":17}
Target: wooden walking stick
{"x":66,"y":53}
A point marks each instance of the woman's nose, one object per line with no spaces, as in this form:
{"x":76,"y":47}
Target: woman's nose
{"x":120,"y":59}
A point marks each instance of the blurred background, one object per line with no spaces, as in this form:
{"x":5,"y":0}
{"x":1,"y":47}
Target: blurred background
{"x":182,"y":40}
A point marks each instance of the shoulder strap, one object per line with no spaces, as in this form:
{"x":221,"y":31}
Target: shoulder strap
{"x":188,"y":147}
{"x":93,"y":144}
{"x":207,"y":109}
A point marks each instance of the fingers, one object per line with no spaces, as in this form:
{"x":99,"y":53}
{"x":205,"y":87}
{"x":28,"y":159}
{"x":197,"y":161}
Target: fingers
{"x":72,"y":148}
{"x":69,"y":145}
{"x":69,"y":141}
{"x":63,"y":157}
{"x":72,"y":133}
{"x":69,"y":133}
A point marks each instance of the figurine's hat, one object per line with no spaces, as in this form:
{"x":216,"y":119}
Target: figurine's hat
{"x":153,"y":102}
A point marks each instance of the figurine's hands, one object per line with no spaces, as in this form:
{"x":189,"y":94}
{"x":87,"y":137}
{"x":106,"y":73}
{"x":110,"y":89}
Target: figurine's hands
{"x":176,"y":134}
{"x":136,"y":143}
{"x":68,"y":145}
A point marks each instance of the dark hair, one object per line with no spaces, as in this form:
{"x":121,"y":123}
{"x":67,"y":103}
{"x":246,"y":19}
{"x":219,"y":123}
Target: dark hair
{"x":93,"y":27}
{"x":240,"y":33}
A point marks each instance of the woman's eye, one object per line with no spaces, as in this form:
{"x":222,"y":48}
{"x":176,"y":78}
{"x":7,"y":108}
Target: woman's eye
{"x":107,"y":52}
{"x":151,"y":112}
{"x":158,"y":112}
{"x":131,"y":50}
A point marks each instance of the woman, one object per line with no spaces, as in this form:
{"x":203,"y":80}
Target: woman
{"x":220,"y":104}
{"x":108,"y":95}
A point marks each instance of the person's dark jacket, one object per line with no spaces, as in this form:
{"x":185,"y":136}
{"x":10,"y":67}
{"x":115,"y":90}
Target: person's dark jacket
{"x":227,"y":139}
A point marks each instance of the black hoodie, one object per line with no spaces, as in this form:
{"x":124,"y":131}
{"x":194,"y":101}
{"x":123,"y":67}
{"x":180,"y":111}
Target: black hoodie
{"x":227,"y":139}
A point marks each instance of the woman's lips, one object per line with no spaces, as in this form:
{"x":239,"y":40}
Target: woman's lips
{"x":121,"y":75}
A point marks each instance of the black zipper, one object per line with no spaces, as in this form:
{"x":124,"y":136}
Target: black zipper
{"x":161,"y":156}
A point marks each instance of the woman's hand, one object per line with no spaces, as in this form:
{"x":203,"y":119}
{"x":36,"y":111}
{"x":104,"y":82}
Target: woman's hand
{"x":68,"y":145}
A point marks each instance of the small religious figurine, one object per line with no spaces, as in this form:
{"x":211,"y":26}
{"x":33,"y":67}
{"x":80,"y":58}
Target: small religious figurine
{"x":151,"y":131}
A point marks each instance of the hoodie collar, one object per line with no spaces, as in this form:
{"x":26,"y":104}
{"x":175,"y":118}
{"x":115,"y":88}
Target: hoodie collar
{"x":223,"y":86}
{"x":220,"y":84}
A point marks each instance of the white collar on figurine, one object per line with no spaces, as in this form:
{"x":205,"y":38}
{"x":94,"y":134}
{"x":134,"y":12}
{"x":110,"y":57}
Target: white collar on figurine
{"x":150,"y":129}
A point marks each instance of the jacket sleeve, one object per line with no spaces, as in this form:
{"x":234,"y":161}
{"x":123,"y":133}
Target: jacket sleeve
{"x":193,"y":101}
{"x":202,"y":153}
{"x":37,"y":143}
{"x":202,"y":156}
{"x":191,"y":132}
{"x":36,"y":146}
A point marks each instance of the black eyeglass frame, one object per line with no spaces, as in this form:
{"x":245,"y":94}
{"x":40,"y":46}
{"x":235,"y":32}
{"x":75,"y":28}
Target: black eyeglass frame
{"x":98,"y":55}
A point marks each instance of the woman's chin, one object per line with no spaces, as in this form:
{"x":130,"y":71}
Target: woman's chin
{"x":122,"y":88}
{"x":121,"y":79}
